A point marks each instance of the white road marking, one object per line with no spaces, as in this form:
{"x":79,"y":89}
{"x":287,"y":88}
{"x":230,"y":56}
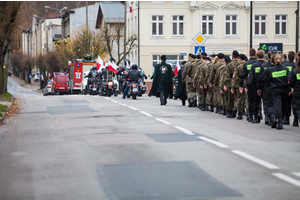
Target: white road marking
{"x":106,"y":98}
{"x":219,"y":144}
{"x":256,"y":160}
{"x":163,"y":121}
{"x":296,"y":173}
{"x":122,"y":104}
{"x":114,"y":101}
{"x":184,"y":130}
{"x":287,"y":179}
{"x":132,"y":108}
{"x":149,"y":115}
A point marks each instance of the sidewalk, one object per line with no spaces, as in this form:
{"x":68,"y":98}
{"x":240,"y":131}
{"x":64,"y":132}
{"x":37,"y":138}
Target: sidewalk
{"x":34,"y":85}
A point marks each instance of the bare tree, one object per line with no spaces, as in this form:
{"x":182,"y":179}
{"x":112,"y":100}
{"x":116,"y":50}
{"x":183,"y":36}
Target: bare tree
{"x":112,"y":34}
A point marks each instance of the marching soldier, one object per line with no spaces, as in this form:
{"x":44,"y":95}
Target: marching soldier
{"x":187,"y":75}
{"x":198,"y":64}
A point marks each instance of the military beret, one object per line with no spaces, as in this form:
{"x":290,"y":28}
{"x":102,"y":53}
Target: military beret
{"x":227,"y":59}
{"x":206,"y":58}
{"x":243,"y":56}
{"x":192,"y":55}
{"x":198,"y":56}
{"x":220,"y":55}
{"x":203,"y":54}
{"x":235,"y":53}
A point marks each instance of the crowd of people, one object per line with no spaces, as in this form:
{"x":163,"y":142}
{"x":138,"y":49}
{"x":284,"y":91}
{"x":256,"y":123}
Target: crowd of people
{"x":236,"y":87}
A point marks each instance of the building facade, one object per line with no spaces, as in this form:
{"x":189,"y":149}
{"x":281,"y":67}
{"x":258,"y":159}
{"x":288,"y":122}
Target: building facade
{"x":168,"y":27}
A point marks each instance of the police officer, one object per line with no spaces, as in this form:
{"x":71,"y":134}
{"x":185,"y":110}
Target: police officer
{"x":279,"y":78}
{"x":187,"y":75}
{"x":134,"y":75}
{"x":254,"y":95}
{"x":244,"y":76}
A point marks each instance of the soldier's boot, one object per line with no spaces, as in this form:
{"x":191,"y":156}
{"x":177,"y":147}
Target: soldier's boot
{"x":224,"y":112}
{"x":234,"y":112}
{"x":250,"y":119}
{"x":228,"y":113}
{"x":266,"y":119}
{"x":217,"y":109}
{"x":270,"y":121}
{"x":211,"y":108}
{"x":243,"y":113}
{"x":183,"y":102}
{"x":248,"y":115}
{"x":190,"y":100}
{"x":195,"y":102}
{"x":206,"y":107}
{"x":220,"y":110}
{"x":286,"y":120}
{"x":280,"y":124}
{"x":203,"y":107}
{"x":240,"y":116}
{"x":274,"y":122}
{"x":199,"y":106}
{"x":256,"y":119}
{"x":232,"y":115}
{"x":296,"y":121}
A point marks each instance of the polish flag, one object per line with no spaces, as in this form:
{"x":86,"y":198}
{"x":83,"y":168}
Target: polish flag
{"x":112,"y":67}
{"x":177,"y":68}
{"x":99,"y":64}
{"x":129,"y":8}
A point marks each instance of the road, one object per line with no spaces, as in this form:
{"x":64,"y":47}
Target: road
{"x":92,"y":147}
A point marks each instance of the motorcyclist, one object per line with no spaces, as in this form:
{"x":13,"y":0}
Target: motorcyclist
{"x":122,"y":71}
{"x":134,"y":75}
{"x":88,"y":57}
{"x":105,"y":75}
{"x":141,"y":79}
{"x":90,"y":76}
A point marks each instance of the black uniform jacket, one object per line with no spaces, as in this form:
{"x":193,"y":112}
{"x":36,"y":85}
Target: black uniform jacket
{"x":278,"y":76}
{"x":254,"y":74}
{"x":245,"y":71}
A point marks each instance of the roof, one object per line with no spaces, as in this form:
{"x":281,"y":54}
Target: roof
{"x":113,"y":12}
{"x":51,"y":15}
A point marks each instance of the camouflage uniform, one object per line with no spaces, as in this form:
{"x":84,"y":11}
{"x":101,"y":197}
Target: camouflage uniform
{"x":240,"y":98}
{"x":198,"y":64}
{"x":217,"y":81}
{"x":187,"y":74}
{"x":209,"y":93}
{"x":199,"y":81}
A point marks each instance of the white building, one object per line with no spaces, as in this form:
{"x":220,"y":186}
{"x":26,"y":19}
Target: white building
{"x":168,"y":27}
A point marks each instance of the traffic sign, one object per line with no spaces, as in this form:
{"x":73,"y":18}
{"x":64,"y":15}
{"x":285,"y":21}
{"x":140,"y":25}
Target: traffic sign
{"x":30,"y":76}
{"x":199,"y":39}
{"x":199,"y":49}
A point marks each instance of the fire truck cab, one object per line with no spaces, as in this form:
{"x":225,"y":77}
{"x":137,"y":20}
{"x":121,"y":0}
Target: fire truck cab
{"x":76,"y":70}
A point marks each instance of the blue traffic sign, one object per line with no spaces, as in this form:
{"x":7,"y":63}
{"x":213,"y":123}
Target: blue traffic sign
{"x":30,"y":76}
{"x":199,"y":49}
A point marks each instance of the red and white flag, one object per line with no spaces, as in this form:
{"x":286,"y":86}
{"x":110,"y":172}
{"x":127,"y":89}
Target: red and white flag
{"x":112,"y":67}
{"x":99,"y":64}
{"x":129,"y":8}
{"x":177,"y":68}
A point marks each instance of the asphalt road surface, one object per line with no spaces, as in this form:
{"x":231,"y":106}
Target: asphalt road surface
{"x":91,"y":147}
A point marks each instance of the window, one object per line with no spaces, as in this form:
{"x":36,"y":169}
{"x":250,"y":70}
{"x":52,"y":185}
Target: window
{"x":171,"y":59}
{"x":207,"y":25}
{"x":157,"y":25}
{"x":280,"y":24}
{"x":177,"y":21}
{"x":230,"y":25}
{"x":260,"y":22}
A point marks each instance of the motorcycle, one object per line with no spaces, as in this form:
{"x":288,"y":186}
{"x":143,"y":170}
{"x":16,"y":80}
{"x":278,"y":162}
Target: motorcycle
{"x":109,"y":88}
{"x":133,"y":90}
{"x":92,"y":88}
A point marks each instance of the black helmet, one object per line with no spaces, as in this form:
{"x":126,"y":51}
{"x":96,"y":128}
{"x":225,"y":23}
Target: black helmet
{"x":134,"y":66}
{"x":127,"y":61}
{"x":94,"y":67}
{"x":91,"y":69}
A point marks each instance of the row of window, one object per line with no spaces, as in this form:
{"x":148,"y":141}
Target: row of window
{"x":231,"y":21}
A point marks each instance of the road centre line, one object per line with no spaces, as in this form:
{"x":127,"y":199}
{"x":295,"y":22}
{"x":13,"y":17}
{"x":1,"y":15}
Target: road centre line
{"x":145,"y":113}
{"x":256,"y":160}
{"x":107,"y":98}
{"x":296,"y":173}
{"x":219,"y":144}
{"x":132,"y":108}
{"x":163,"y":121}
{"x":114,"y":101}
{"x":184,"y":130}
{"x":287,"y":179}
{"x":122,"y":104}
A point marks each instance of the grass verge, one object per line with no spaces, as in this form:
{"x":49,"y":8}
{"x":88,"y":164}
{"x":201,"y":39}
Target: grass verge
{"x":5,"y":97}
{"x":3,"y":108}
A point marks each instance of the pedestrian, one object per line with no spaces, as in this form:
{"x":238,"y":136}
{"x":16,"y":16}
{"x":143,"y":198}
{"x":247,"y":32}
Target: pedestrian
{"x":279,"y":78}
{"x":162,"y":85}
{"x":181,"y":88}
{"x":295,"y":90}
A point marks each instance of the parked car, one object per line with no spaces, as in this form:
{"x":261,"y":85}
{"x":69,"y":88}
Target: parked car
{"x":9,"y":74}
{"x":36,"y":78}
{"x":48,"y":89}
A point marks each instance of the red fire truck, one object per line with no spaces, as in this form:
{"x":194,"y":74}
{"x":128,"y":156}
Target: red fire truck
{"x":76,"y":70}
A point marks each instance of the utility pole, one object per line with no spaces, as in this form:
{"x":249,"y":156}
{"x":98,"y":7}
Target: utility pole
{"x":87,"y":12}
{"x":125,"y":31}
{"x":251,"y":24}
{"x":297,"y":27}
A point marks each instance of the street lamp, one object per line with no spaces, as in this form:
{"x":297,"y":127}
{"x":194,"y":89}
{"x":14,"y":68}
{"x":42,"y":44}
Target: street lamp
{"x":64,"y":8}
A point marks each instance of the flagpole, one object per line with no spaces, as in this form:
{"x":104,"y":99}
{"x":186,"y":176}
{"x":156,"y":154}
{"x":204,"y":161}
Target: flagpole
{"x":125,"y":31}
